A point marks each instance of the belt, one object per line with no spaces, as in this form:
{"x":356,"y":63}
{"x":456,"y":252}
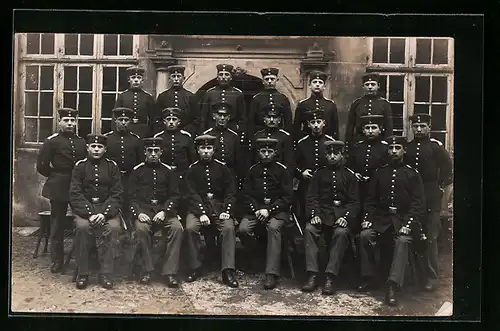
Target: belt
{"x":267,"y":201}
{"x":154,"y":202}
{"x":393,"y":210}
{"x":337,"y":203}
{"x":96,"y":200}
{"x":135,"y":120}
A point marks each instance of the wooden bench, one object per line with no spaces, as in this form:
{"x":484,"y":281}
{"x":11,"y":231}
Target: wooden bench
{"x":44,"y":231}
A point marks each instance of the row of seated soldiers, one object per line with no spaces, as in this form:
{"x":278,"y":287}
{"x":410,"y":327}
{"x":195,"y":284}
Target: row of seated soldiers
{"x":372,"y":192}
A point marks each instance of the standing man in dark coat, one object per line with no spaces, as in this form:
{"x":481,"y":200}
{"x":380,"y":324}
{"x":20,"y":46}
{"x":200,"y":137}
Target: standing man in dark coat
{"x":369,"y":104}
{"x":212,"y":197}
{"x":332,"y":208}
{"x":270,"y":95}
{"x":178,"y":97}
{"x":140,"y":101}
{"x":56,"y":159}
{"x":394,"y":208}
{"x":317,"y":83}
{"x":267,"y":194}
{"x":433,"y":162}
{"x":154,"y":199}
{"x":96,"y":196}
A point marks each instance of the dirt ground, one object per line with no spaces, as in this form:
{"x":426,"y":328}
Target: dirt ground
{"x":35,"y":289}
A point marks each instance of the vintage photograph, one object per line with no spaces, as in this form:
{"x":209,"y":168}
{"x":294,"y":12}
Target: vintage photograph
{"x":232,"y":175}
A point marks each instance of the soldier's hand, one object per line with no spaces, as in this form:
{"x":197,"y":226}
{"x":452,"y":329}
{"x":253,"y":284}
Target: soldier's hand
{"x":99,"y":219}
{"x":366,"y":225}
{"x":307,"y":174}
{"x":341,"y":222}
{"x":359,"y":177}
{"x":204,"y":220}
{"x":224,"y":216}
{"x":265,"y":213}
{"x":260,"y":215}
{"x":159,"y":217}
{"x":316,"y":220}
{"x":92,"y":219}
{"x":405,"y":230}
{"x":173,"y":167}
{"x":144,"y":218}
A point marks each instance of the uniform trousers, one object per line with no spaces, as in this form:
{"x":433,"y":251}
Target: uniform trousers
{"x":173,"y":231}
{"x":193,"y":240}
{"x":338,"y":245}
{"x":57,"y":226}
{"x":432,"y":226}
{"x":86,"y":234}
{"x":273,"y":227}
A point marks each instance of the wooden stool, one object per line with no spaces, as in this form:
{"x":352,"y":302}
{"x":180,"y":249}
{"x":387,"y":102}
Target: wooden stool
{"x":44,"y":231}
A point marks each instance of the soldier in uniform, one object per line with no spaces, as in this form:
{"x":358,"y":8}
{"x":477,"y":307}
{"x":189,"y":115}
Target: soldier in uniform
{"x":433,"y":162}
{"x":154,"y":199}
{"x":369,"y":104}
{"x":224,"y":92}
{"x":393,"y":208}
{"x":267,"y":194}
{"x":96,"y":195}
{"x":309,"y":156}
{"x":140,"y":101}
{"x":272,"y":118}
{"x":177,"y":96}
{"x":368,"y":154}
{"x":56,"y":159}
{"x":332,"y":207}
{"x":270,"y":95}
{"x":317,"y":82}
{"x":212,"y":197}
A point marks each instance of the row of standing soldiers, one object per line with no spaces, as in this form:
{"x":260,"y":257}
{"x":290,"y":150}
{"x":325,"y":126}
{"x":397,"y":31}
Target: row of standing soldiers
{"x":179,"y":155}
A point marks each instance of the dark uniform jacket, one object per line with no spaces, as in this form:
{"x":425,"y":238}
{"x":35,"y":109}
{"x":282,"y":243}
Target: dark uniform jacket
{"x":333,"y":193}
{"x":367,"y":105}
{"x":367,"y":155}
{"x":433,"y":162}
{"x":126,"y":149}
{"x":285,"y":153}
{"x":261,"y":99}
{"x":96,"y":187}
{"x":228,"y":149}
{"x":268,"y":186}
{"x":300,"y":128}
{"x":143,"y":105}
{"x":181,"y":98}
{"x":310,"y":153}
{"x":56,"y":160}
{"x":153,"y":187}
{"x":211,"y":189}
{"x":177,"y":149}
{"x":399,"y":186}
{"x":230,"y":95}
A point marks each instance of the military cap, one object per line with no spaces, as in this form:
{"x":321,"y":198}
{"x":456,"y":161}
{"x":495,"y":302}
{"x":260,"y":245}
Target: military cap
{"x":271,"y":109}
{"x":123,"y":112}
{"x":314,"y":114}
{"x":334,"y":145}
{"x":267,"y":142}
{"x":95,"y":138}
{"x":152,"y":142}
{"x":205,"y":139}
{"x":316,"y":74}
{"x":421,"y":118}
{"x":67,"y":112}
{"x":176,"y":69}
{"x":222,"y":107}
{"x":135,"y":70}
{"x":396,"y":140}
{"x":371,"y":76}
{"x":269,"y":71}
{"x":372,"y":119}
{"x":172,"y":111}
{"x":224,"y":67}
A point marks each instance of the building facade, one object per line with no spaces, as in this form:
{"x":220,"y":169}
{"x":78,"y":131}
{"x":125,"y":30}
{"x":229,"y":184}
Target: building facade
{"x":87,"y":72}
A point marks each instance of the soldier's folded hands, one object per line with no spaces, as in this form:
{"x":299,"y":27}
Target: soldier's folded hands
{"x":159,"y":217}
{"x":144,"y":218}
{"x":366,"y":225}
{"x":315,"y":220}
{"x":204,"y":220}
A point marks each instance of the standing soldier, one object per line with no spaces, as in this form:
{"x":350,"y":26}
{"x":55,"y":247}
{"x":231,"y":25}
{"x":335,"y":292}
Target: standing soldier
{"x":317,"y":83}
{"x":96,"y":199}
{"x":140,"y":101}
{"x":310,"y":155}
{"x":269,"y":96}
{"x":57,"y":157}
{"x":177,"y":96}
{"x":369,"y":104}
{"x":394,"y":207}
{"x":332,"y":209}
{"x":267,"y":194}
{"x":433,"y":162}
{"x":211,"y":191}
{"x":224,"y":92}
{"x":154,"y":199}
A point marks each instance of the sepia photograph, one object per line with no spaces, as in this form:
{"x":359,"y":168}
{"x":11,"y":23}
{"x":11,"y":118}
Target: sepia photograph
{"x":232,"y":175}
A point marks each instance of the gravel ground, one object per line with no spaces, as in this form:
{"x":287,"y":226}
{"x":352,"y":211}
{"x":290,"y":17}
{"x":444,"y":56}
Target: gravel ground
{"x":35,"y":289}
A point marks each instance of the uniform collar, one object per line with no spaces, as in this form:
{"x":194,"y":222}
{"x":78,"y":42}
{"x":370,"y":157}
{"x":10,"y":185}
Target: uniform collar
{"x":135,"y":89}
{"x":67,"y":134}
{"x":423,"y":139}
{"x":123,"y":133}
{"x":397,"y":164}
{"x":316,"y":137}
{"x":95,"y":161}
{"x":152,"y":164}
{"x":337,"y":166}
{"x":317,"y":95}
{"x":374,"y":140}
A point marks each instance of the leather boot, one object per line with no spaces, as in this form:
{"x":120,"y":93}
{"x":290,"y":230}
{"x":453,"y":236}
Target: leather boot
{"x":194,"y":275}
{"x":82,"y":282}
{"x":270,"y":282}
{"x":56,"y":267}
{"x":145,"y":279}
{"x":390,"y":296}
{"x":229,"y":279}
{"x":106,"y":281}
{"x":171,"y":281}
{"x":311,"y":284}
{"x":329,"y":288}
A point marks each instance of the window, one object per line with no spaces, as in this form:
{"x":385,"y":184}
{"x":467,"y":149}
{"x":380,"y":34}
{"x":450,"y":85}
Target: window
{"x":81,"y":71}
{"x":392,"y":88}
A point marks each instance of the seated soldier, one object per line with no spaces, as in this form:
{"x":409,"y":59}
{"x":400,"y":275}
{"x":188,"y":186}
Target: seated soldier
{"x":267,"y":194}
{"x":154,"y":199}
{"x":96,"y":195}
{"x":332,"y":206}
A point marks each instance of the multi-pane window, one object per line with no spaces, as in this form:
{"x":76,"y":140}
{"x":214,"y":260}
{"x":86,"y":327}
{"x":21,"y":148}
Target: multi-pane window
{"x":114,"y":81}
{"x":389,"y":50}
{"x":392,"y":88}
{"x":40,"y":43}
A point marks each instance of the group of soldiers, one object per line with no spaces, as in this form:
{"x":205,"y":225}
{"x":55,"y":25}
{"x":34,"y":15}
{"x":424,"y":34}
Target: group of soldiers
{"x":187,"y":166}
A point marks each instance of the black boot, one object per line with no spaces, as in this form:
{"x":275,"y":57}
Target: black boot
{"x":145,"y":279}
{"x":106,"y":281}
{"x":56,"y":267}
{"x":270,"y":282}
{"x":82,"y":282}
{"x":229,"y":279}
{"x":171,"y":281}
{"x":194,"y":275}
{"x":311,"y":284}
{"x":366,"y":284}
{"x":390,"y":296}
{"x":329,"y":288}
